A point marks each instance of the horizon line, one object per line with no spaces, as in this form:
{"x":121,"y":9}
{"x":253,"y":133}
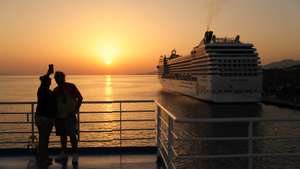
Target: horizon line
{"x":75,"y":74}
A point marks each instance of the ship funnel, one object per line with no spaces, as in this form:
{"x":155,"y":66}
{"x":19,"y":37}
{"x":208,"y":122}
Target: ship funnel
{"x":208,"y":36}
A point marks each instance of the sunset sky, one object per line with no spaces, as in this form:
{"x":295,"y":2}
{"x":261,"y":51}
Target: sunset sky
{"x":128,"y":36}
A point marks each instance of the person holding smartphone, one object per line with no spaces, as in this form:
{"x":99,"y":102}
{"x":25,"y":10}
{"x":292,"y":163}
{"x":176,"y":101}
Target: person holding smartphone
{"x":44,"y":117}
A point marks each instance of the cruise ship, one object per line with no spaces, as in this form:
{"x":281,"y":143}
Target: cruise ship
{"x":221,"y":70}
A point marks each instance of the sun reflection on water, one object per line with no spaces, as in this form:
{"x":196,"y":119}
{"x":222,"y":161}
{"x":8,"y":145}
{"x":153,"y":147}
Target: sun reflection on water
{"x":108,"y":88}
{"x":108,"y":92}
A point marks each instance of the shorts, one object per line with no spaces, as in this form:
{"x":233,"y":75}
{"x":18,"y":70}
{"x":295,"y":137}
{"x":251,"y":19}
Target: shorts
{"x":66,"y":127}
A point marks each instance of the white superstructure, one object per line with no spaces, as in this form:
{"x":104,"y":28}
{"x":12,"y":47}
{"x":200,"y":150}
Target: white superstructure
{"x":218,"y":69}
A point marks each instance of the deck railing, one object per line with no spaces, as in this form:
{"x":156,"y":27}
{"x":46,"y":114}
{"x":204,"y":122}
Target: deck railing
{"x":166,"y":132}
{"x":167,"y":135}
{"x":118,"y":112}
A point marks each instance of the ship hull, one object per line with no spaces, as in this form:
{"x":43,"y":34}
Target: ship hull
{"x":217,"y":89}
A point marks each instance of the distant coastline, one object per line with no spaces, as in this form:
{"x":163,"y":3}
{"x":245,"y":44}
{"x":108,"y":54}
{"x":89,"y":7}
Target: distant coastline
{"x":281,"y":85}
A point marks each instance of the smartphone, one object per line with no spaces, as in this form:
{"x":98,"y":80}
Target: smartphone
{"x":50,"y":69}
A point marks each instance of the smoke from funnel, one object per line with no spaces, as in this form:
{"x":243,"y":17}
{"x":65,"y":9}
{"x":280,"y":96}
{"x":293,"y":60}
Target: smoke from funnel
{"x":214,"y":9}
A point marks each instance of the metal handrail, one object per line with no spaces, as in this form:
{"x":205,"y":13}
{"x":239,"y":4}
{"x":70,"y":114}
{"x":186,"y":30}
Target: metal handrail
{"x":85,"y":102}
{"x":226,"y":119}
{"x":168,"y":153}
{"x":30,"y":121}
{"x":236,"y":119}
{"x":164,"y":130}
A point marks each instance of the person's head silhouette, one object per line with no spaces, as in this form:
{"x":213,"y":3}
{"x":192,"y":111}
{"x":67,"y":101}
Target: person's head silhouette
{"x":45,"y":81}
{"x":59,"y":77}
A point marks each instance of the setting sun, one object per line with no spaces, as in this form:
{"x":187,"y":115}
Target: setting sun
{"x":108,"y":53}
{"x":108,"y":61}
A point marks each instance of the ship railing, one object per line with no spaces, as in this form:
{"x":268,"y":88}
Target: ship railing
{"x":167,"y":137}
{"x":165,"y":130}
{"x":120,"y":110}
{"x":225,"y":40}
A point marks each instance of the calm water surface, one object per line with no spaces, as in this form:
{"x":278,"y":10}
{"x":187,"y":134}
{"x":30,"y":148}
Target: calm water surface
{"x":104,"y":87}
{"x":123,"y":87}
{"x":93,"y":88}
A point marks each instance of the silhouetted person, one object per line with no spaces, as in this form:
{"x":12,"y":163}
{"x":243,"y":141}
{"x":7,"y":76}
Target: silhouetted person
{"x":45,"y":114}
{"x":68,"y":100}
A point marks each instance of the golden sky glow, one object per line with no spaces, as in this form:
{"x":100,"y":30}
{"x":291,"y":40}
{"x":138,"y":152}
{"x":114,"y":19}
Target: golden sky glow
{"x":108,"y":52}
{"x":128,"y":36}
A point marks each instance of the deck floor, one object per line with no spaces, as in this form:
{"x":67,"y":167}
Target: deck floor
{"x":136,"y":161}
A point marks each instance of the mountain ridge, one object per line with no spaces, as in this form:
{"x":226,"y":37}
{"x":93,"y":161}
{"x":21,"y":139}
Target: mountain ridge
{"x":285,"y":63}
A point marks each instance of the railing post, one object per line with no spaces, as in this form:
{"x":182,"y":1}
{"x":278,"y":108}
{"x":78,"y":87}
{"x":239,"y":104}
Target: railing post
{"x":120,"y":124}
{"x":27,"y":117}
{"x":250,"y":145}
{"x":170,"y":142}
{"x":121,"y":166}
{"x":158,"y":131}
{"x":32,"y":125}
